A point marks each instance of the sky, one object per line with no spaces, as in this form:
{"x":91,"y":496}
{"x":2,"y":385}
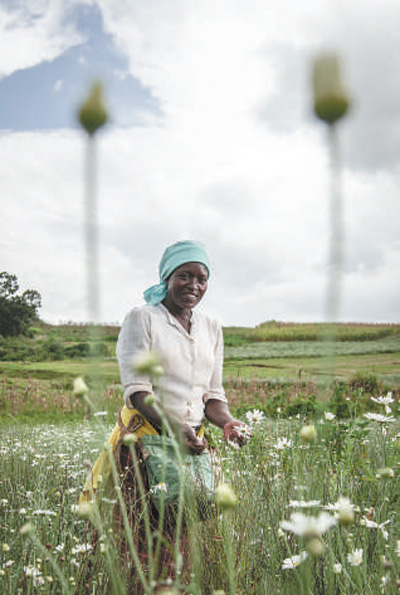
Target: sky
{"x":211,"y":136}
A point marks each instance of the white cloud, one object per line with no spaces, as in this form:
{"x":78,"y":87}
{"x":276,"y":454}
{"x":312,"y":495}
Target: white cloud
{"x":34,"y":31}
{"x":234,"y":160}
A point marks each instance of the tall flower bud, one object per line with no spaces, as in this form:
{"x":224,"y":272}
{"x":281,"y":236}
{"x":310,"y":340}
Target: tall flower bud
{"x":308,"y":434}
{"x":331,"y":100}
{"x":226,"y":497}
{"x":80,"y":388}
{"x":92,"y":113}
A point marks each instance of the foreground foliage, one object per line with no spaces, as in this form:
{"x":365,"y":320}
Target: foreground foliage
{"x":48,"y":548}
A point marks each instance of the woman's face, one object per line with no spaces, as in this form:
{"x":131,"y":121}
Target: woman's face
{"x":187,"y":285}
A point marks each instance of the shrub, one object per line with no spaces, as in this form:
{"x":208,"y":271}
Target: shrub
{"x":77,"y":351}
{"x":367,"y":382}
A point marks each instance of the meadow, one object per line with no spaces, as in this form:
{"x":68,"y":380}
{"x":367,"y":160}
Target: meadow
{"x":317,"y":485}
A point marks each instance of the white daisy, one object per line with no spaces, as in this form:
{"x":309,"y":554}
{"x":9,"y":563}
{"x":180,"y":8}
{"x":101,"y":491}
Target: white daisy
{"x":329,"y":416}
{"x":386,"y":401}
{"x":303,"y":504}
{"x":255,"y":417}
{"x":379,"y":417}
{"x":283,"y":443}
{"x":82,"y":548}
{"x":337,"y":568}
{"x":294,"y":561}
{"x":384,"y":582}
{"x":373,"y":525}
{"x":308,"y":526}
{"x":355,"y":558}
{"x":160,"y":487}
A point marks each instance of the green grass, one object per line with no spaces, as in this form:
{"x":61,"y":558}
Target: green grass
{"x":65,"y":371}
{"x":262,"y":360}
{"x":386,"y":366}
{"x":43,"y":466}
{"x":311,"y":348}
{"x":288,"y":331}
{"x":241,"y":552}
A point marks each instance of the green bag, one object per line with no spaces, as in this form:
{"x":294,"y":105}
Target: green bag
{"x":165,"y":473}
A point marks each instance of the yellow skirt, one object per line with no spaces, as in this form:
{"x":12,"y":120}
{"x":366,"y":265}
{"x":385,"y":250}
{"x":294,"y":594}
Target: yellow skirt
{"x":129,"y":421}
{"x":101,"y":469}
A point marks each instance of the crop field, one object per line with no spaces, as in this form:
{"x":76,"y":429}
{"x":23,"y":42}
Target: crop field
{"x":317,"y":484}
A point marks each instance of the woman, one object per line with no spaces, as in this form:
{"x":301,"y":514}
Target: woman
{"x":190,"y":347}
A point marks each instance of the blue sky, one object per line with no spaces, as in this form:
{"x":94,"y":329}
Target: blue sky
{"x":44,"y":96}
{"x":212,"y":137}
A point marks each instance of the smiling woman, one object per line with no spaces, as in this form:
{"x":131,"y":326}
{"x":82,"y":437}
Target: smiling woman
{"x":186,"y":287}
{"x":189,"y":346}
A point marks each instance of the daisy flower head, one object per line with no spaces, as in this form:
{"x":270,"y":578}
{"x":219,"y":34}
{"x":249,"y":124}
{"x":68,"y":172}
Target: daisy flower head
{"x":160,"y":487}
{"x":379,"y":417}
{"x":384,"y":582}
{"x":355,"y":557}
{"x":337,"y":568}
{"x":255,"y":417}
{"x":308,"y":526}
{"x":294,"y":561}
{"x":283,"y":443}
{"x":82,"y":548}
{"x":329,"y":416}
{"x":240,"y":434}
{"x":35,"y":574}
{"x":385,"y":401}
{"x":304,"y":504}
{"x":233,"y":444}
{"x":373,"y":525}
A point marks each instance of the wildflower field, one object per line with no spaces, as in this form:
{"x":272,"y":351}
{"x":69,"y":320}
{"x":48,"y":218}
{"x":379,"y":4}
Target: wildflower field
{"x":309,"y":505}
{"x":317,"y":509}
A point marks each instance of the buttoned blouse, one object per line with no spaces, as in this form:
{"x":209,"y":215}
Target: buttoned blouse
{"x":192,"y":362}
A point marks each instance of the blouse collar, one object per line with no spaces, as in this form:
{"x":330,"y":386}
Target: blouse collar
{"x":175,"y":322}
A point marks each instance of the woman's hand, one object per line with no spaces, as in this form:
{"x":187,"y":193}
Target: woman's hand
{"x":195,"y":444}
{"x":236,"y":433}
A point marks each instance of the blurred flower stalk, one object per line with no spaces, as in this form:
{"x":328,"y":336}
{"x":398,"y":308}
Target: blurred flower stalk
{"x":331,"y":103}
{"x":92,"y":116}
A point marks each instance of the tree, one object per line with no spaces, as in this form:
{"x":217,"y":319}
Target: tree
{"x":16,"y":311}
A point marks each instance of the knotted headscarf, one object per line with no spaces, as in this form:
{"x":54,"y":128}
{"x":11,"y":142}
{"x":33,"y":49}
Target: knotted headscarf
{"x":175,"y":256}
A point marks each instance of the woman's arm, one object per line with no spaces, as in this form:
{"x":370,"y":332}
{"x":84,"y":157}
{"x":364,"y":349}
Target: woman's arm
{"x":217,"y":412}
{"x":134,"y":338}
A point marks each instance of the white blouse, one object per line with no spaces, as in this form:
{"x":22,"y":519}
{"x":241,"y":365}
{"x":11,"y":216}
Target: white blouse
{"x":192,"y":362}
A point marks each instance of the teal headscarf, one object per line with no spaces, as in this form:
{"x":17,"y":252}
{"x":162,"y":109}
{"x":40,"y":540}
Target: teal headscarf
{"x":175,"y":256}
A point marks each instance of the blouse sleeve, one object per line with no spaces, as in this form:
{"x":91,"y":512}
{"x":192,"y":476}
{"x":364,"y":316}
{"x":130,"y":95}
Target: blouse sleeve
{"x":134,"y":338}
{"x":216,"y":389}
